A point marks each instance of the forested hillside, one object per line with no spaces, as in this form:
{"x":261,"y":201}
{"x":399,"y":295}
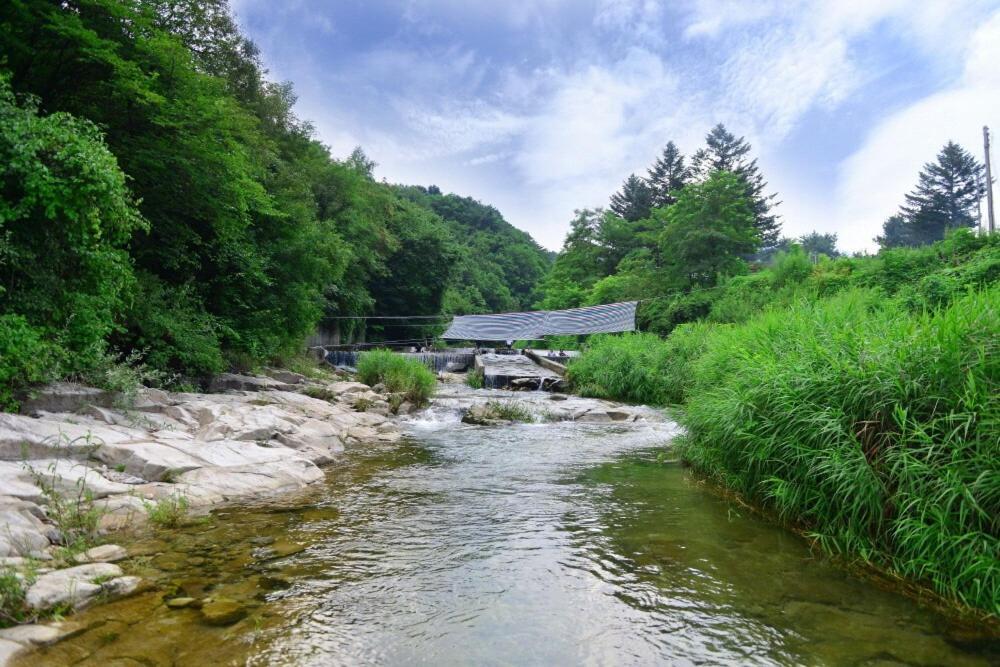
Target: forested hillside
{"x":498,"y":266}
{"x":679,"y":236}
{"x":162,"y":205}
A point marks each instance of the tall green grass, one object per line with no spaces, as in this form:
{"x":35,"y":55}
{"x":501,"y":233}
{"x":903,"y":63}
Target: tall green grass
{"x":399,"y":374}
{"x":874,"y":428}
{"x":641,"y":367}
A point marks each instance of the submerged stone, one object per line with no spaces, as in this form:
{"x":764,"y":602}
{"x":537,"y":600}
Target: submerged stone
{"x":180,"y":603}
{"x":222,"y":611}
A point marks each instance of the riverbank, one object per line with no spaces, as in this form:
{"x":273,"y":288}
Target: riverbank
{"x":78,"y":467}
{"x":867,"y":425}
{"x":560,"y":541}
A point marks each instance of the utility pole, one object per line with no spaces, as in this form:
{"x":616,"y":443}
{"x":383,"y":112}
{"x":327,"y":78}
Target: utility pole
{"x":989,"y":180}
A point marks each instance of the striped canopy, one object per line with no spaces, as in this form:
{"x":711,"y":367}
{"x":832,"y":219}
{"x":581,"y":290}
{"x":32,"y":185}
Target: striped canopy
{"x":608,"y":318}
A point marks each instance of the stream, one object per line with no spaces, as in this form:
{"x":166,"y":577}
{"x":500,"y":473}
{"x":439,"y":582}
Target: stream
{"x":533,"y":544}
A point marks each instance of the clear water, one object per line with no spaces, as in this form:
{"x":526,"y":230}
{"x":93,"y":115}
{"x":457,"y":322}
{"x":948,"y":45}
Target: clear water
{"x":536,"y":544}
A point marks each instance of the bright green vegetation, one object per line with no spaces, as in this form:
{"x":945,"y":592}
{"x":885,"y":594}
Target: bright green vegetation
{"x":167,"y":512}
{"x":400,"y":375}
{"x":508,"y":410}
{"x":873,"y":428}
{"x":856,"y":398}
{"x":475,"y":379}
{"x":498,"y":266}
{"x":71,"y":509}
{"x":161,"y":206}
{"x":640,"y":368}
{"x":12,"y":590}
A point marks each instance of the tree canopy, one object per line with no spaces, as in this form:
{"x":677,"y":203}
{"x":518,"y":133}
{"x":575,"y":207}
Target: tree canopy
{"x":946,"y":196}
{"x":161,"y":201}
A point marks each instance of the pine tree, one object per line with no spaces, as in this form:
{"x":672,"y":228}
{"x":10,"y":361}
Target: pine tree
{"x":946,"y":195}
{"x":667,"y":175}
{"x":634,"y":201}
{"x":726,"y":152}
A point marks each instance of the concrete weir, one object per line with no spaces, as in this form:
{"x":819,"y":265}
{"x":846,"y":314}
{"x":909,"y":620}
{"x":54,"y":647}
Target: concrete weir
{"x":515,"y":371}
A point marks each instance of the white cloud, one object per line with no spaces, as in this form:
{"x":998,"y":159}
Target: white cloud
{"x":589,"y":93}
{"x":874,"y":179}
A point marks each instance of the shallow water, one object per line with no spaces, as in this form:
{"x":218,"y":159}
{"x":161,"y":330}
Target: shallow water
{"x":543,"y":544}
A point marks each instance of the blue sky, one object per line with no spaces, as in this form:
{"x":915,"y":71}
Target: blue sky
{"x":540,"y":107}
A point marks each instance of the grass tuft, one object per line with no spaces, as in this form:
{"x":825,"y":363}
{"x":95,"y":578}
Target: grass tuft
{"x":399,"y":374}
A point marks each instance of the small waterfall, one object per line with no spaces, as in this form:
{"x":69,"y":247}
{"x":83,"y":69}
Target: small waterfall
{"x":342,"y":358}
{"x":456,"y":361}
{"x":444,"y":361}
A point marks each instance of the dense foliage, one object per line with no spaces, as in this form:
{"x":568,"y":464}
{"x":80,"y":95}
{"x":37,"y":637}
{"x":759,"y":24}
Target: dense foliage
{"x":876,"y":431}
{"x":161,"y":203}
{"x":498,"y":266}
{"x":855,"y":397}
{"x":65,"y":217}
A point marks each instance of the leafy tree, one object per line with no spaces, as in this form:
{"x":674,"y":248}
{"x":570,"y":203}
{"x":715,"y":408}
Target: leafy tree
{"x":822,"y":244}
{"x":727,"y":152}
{"x":634,"y":200}
{"x":708,"y":230}
{"x":498,"y":266}
{"x":66,"y":216}
{"x":667,"y":176}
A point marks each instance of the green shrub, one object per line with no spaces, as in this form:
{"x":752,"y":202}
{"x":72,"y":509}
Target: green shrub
{"x":641,"y":368}
{"x":871,"y":426}
{"x":475,"y":379}
{"x":74,"y":513}
{"x":25,"y":359}
{"x":167,"y":512}
{"x":172,"y":328}
{"x":399,"y":374}
{"x":13,"y":587}
{"x":791,"y":267}
{"x":66,"y":215}
{"x":508,"y":410}
{"x":662,"y":315}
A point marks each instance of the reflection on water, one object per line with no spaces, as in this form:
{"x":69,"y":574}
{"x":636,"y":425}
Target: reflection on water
{"x":537,"y":544}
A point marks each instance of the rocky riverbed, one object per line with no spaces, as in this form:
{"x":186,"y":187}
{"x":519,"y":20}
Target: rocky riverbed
{"x":77,"y":448}
{"x":80,"y":454}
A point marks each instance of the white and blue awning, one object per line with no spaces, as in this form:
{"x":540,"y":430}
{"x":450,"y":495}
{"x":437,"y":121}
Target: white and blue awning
{"x":608,"y":318}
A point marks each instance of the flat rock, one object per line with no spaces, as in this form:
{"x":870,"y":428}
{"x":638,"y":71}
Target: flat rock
{"x":8,"y":651}
{"x":66,"y":397}
{"x":38,"y":634}
{"x":347,"y":387}
{"x":222,"y":611}
{"x":288,"y":377}
{"x":56,"y":436}
{"x":251,"y":480}
{"x":120,"y":587}
{"x":105,"y":553}
{"x":234,"y":382}
{"x":22,"y":532}
{"x":73,"y":586}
